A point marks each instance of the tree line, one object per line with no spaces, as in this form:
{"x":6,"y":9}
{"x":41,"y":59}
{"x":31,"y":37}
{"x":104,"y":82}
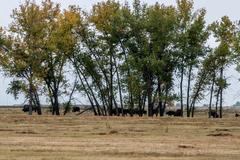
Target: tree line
{"x":121,"y":55}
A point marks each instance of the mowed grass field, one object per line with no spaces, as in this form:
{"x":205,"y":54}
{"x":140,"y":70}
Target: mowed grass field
{"x":74,"y":137}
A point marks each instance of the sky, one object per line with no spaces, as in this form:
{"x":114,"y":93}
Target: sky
{"x":215,"y":10}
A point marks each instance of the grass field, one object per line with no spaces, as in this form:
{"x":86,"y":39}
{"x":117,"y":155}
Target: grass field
{"x":103,"y":138}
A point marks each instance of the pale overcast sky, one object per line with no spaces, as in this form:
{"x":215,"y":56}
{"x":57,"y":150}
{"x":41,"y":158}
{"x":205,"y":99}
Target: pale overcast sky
{"x":215,"y":10}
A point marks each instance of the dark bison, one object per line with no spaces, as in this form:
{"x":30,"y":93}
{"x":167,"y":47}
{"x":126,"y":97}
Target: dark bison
{"x":116,"y":111}
{"x":26,"y":108}
{"x":178,"y":113}
{"x":75,"y":109}
{"x":237,"y":115}
{"x":126,"y":111}
{"x":139,"y":112}
{"x":214,"y":114}
{"x":171,"y":113}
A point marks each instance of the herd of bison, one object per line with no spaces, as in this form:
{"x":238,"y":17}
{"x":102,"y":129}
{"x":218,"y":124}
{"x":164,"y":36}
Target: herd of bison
{"x":132,"y":112}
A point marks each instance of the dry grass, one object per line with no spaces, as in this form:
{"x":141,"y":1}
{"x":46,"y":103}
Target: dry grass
{"x":103,"y":138}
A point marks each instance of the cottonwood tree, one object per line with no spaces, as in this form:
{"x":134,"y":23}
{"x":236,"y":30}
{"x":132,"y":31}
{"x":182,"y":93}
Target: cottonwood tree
{"x":22,"y":59}
{"x":205,"y":80}
{"x":58,"y":43}
{"x":95,"y":58}
{"x":148,"y":54}
{"x":102,"y":57}
{"x":161,"y":24}
{"x":224,"y":32}
{"x":106,"y":18}
{"x":42,"y":38}
{"x":138,"y":80}
{"x":191,"y":44}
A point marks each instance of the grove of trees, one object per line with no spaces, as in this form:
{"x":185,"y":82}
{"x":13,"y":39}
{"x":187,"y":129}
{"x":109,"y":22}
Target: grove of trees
{"x":122,"y":56}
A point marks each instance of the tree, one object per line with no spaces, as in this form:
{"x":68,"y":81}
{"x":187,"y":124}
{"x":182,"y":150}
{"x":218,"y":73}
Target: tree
{"x":191,"y":44}
{"x":22,"y":59}
{"x":223,"y":32}
{"x":106,"y":17}
{"x":58,"y":43}
{"x":41,"y":39}
{"x":161,"y":23}
{"x":205,"y":77}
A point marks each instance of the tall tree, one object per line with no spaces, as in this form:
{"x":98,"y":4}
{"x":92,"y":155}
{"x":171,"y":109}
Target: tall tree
{"x":22,"y":59}
{"x":191,"y":43}
{"x":161,"y":27}
{"x":106,"y":16}
{"x":58,"y":43}
{"x":223,"y":32}
{"x":42,"y":37}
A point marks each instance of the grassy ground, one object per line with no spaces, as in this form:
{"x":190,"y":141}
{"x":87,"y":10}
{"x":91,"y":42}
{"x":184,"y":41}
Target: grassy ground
{"x":89,"y":138}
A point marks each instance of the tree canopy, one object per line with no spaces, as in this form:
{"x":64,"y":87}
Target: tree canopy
{"x":124,"y":57}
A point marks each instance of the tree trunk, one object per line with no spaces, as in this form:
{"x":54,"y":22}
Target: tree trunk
{"x":111,"y":86}
{"x":70,"y":98}
{"x":181,"y":90}
{"x":211,"y":96}
{"x":193,"y":109}
{"x":88,"y":94}
{"x":162,"y":111}
{"x":119,"y":86}
{"x":92,"y":93}
{"x":221,"y":94}
{"x":37,"y":103}
{"x":56,"y":103}
{"x":160,"y":106}
{"x":79,"y":73}
{"x":30,"y":95}
{"x":188,"y":91}
{"x":217,"y":99}
{"x":149,"y":95}
{"x":144,"y":101}
{"x":130,"y":94}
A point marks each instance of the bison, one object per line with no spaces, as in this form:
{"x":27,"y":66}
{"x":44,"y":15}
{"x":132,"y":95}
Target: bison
{"x":139,"y":112}
{"x":214,"y":114}
{"x":171,"y":113}
{"x":126,"y":111}
{"x":26,"y":108}
{"x":116,"y":111}
{"x":75,"y":109}
{"x":178,"y":113}
{"x":237,"y":115}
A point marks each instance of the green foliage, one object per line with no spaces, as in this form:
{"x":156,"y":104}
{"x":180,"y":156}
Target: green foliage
{"x":121,"y":54}
{"x":16,"y":87}
{"x":224,"y":32}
